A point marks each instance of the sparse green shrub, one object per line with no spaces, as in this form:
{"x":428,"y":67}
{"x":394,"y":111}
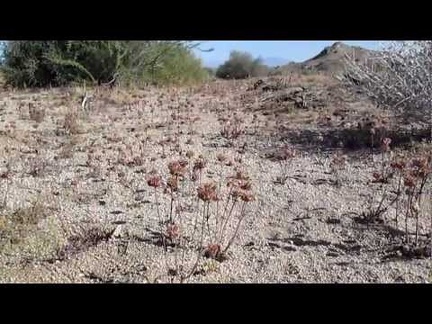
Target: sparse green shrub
{"x":176,"y":65}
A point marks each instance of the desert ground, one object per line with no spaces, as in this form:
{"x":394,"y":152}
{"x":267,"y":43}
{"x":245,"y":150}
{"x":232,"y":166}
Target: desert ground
{"x":86,"y":192}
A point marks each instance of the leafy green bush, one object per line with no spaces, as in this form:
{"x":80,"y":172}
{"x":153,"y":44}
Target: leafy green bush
{"x":58,"y":63}
{"x":241,"y":65}
{"x":168,"y":62}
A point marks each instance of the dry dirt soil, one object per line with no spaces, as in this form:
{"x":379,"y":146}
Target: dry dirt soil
{"x":76,"y":207}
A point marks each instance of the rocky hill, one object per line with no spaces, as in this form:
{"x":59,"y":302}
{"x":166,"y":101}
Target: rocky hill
{"x":330,"y":59}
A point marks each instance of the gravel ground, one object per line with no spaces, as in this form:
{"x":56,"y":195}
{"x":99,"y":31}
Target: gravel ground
{"x":94,"y":178}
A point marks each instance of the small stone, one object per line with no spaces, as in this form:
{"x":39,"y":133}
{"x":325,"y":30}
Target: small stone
{"x":249,"y":244}
{"x":118,"y":232}
{"x":406,"y":250}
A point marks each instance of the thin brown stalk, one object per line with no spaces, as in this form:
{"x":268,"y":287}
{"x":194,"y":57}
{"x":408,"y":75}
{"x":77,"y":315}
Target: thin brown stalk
{"x":157,"y":205}
{"x":217,"y":207}
{"x":196,"y":219}
{"x":430,"y":229}
{"x":191,"y":272}
{"x":4,"y":203}
{"x":242,"y":215}
{"x":171,"y":206}
{"x":397,"y":200}
{"x":208,"y":220}
{"x":418,"y":212}
{"x":227,"y":220}
{"x":409,"y":204}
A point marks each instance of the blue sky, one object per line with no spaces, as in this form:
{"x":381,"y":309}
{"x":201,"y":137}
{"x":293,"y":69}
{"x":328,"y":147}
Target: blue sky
{"x":296,"y":51}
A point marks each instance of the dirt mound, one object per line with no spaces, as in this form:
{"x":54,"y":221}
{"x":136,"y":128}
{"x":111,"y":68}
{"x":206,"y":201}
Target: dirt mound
{"x":288,"y":94}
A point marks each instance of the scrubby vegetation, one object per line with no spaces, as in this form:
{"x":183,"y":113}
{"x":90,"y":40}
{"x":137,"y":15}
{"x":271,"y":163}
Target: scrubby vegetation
{"x":60,"y":63}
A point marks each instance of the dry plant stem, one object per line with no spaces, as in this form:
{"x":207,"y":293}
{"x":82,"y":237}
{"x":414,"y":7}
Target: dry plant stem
{"x":397,"y":200}
{"x":217,"y":206}
{"x":283,"y":166}
{"x":227,"y":220}
{"x":178,"y":126}
{"x":417,"y":227}
{"x":157,"y":205}
{"x":3,"y":206}
{"x":226,"y":204}
{"x":181,"y":240}
{"x":200,"y":176}
{"x":196,"y":218}
{"x":430,"y":217}
{"x":171,"y":206}
{"x":379,"y":209}
{"x":419,"y":196}
{"x":208,"y":219}
{"x":200,"y":244}
{"x":242,"y":215}
{"x":188,"y":116}
{"x":406,"y":220}
{"x":176,"y":259}
{"x":178,"y":244}
{"x":383,"y":165}
{"x":141,"y":145}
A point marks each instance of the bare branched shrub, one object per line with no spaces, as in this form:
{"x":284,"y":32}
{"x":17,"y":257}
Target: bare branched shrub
{"x":398,"y":78}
